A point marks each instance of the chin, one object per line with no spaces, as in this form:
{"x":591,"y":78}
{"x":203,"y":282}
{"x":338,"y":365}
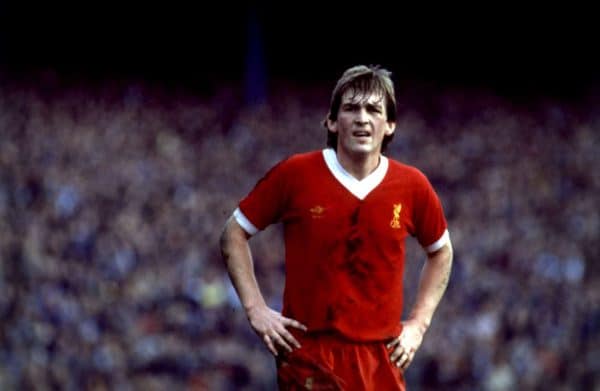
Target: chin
{"x":362,"y":148}
{"x":358,"y":149}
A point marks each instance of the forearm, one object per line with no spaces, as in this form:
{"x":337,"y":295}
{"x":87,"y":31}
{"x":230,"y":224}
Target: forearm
{"x":432,"y":285}
{"x":236,"y":254}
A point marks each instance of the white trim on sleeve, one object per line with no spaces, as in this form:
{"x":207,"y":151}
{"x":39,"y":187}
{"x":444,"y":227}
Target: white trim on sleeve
{"x":445,"y":238}
{"x":244,"y":222}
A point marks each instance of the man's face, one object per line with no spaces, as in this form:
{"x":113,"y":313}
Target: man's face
{"x":361,"y":124}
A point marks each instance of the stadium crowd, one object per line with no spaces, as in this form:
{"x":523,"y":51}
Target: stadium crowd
{"x":112,"y":198}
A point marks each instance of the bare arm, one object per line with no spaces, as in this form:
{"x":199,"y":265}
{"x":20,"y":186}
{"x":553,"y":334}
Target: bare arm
{"x":432,"y":285}
{"x":270,"y":325}
{"x":236,"y":254}
{"x":434,"y":280}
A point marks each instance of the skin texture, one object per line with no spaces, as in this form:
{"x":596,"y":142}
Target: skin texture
{"x":269,"y":324}
{"x":361,"y":125}
{"x":434,"y":280}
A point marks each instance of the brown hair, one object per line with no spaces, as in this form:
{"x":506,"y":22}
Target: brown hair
{"x":362,"y":80}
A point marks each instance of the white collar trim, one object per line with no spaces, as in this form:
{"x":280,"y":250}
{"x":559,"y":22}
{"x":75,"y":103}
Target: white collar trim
{"x":359,"y":188}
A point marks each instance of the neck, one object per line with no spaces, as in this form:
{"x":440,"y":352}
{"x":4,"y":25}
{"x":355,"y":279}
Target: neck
{"x":359,"y":165}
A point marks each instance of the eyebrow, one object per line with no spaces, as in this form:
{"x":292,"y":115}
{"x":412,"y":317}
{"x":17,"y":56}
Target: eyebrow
{"x":353,"y":103}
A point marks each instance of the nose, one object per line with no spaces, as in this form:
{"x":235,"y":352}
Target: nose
{"x":362,"y":117}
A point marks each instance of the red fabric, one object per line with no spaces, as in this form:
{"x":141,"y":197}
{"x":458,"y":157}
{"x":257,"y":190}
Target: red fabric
{"x":345,"y":256}
{"x":327,"y":362}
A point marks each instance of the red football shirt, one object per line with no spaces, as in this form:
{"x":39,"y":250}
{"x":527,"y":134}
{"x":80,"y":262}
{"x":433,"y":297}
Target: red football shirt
{"x":344,"y":239}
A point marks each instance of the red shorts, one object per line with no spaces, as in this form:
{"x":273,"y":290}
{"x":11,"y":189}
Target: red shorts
{"x":330,"y":362}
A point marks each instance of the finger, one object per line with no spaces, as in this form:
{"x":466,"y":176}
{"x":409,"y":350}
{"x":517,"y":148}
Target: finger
{"x":399,"y":351}
{"x":289,"y":337}
{"x":402,"y":360}
{"x":393,"y":343}
{"x":407,"y":361}
{"x":270,"y":345}
{"x":293,"y":323}
{"x":282,"y":342}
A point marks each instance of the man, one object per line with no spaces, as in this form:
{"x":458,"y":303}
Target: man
{"x":346,"y":211}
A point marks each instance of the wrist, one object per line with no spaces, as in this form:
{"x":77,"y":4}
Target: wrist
{"x":421,"y":324}
{"x":250,"y":307}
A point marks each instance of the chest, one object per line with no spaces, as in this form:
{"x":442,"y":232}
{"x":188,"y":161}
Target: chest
{"x":325,"y":205}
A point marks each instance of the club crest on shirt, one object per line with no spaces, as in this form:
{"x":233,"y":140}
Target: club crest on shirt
{"x":395,"y":223}
{"x":317,"y":211}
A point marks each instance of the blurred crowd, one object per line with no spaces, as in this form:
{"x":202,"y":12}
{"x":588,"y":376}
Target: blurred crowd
{"x":113,"y":196}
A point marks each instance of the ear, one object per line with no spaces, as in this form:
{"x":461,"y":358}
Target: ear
{"x":332,"y":125}
{"x":390,"y":128}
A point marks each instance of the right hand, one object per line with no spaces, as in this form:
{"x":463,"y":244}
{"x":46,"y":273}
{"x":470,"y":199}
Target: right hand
{"x":270,"y":325}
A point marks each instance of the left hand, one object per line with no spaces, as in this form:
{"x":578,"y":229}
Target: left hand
{"x":405,"y":346}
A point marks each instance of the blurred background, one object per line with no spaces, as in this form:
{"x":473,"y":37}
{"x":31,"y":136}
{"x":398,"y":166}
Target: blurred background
{"x":128,"y":133}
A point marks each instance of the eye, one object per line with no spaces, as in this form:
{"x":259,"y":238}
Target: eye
{"x":374,"y":109}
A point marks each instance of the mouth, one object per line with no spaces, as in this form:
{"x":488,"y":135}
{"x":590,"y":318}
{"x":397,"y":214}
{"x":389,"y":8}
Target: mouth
{"x":361,"y":134}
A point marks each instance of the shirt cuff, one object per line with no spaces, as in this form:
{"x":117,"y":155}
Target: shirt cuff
{"x":243,"y":221}
{"x":441,"y":242}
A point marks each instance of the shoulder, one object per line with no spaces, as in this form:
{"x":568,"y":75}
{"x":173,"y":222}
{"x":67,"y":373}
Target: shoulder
{"x":306,"y":157}
{"x":303,"y":160}
{"x":294,"y":165}
{"x":406,"y":171}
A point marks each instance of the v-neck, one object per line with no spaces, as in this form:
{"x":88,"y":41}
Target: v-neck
{"x":359,"y":188}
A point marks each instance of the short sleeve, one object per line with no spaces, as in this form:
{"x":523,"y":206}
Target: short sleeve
{"x":266,"y":202}
{"x":430,"y":223}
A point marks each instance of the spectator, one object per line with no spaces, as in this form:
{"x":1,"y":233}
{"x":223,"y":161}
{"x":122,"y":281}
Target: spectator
{"x":109,"y":199}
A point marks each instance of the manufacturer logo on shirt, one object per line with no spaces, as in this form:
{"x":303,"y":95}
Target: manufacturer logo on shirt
{"x":395,"y":223}
{"x":317,"y":211}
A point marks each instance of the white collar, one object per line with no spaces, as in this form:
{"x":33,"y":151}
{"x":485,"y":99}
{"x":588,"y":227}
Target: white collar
{"x":360,"y":188}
